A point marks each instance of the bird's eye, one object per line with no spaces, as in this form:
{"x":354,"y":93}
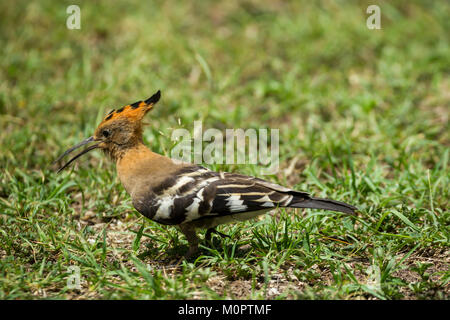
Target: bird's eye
{"x":106,"y":133}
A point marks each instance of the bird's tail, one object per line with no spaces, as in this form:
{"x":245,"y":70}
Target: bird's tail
{"x":325,"y":204}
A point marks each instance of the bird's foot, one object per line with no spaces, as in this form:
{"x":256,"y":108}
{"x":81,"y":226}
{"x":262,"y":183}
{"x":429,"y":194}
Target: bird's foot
{"x":210,"y":231}
{"x":191,"y":236}
{"x":192,"y":252}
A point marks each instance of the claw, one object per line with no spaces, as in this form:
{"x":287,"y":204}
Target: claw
{"x":192,"y":251}
{"x":210,"y":231}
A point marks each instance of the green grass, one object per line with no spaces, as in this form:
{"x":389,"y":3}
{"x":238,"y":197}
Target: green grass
{"x":362,"y":114}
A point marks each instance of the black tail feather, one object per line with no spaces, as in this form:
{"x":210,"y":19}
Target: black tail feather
{"x":325,"y":204}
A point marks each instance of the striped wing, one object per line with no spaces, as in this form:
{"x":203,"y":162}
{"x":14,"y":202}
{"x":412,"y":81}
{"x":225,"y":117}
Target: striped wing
{"x":236,"y":193}
{"x":196,"y":193}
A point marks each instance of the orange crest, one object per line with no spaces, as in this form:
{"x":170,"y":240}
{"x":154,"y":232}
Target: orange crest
{"x":135,"y":111}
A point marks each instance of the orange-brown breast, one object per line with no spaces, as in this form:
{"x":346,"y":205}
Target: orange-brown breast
{"x":140,"y":169}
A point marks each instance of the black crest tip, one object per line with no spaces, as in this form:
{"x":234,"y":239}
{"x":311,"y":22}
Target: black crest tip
{"x":154,"y":98}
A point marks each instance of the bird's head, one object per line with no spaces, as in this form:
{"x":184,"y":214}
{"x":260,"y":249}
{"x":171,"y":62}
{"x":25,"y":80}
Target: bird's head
{"x":120,"y":129}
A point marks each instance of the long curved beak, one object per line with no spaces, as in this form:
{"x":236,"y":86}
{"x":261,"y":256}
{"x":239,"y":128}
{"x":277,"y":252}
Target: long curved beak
{"x":79,"y":145}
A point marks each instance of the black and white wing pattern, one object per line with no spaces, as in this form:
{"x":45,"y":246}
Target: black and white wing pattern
{"x":235,"y":193}
{"x":194,"y":192}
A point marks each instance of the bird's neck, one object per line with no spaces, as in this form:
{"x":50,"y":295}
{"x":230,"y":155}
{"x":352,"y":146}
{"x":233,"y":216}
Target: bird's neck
{"x":138,"y":167}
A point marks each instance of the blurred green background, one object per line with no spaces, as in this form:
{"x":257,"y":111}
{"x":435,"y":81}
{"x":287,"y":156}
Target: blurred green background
{"x":363,"y":118}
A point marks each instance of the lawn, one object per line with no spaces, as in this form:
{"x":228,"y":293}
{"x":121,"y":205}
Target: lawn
{"x":362,"y":117}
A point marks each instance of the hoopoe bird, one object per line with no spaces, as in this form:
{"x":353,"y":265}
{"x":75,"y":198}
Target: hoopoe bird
{"x":184,"y":194}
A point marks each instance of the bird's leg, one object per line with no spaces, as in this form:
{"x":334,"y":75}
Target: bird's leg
{"x":210,"y":231}
{"x":192,"y":239}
